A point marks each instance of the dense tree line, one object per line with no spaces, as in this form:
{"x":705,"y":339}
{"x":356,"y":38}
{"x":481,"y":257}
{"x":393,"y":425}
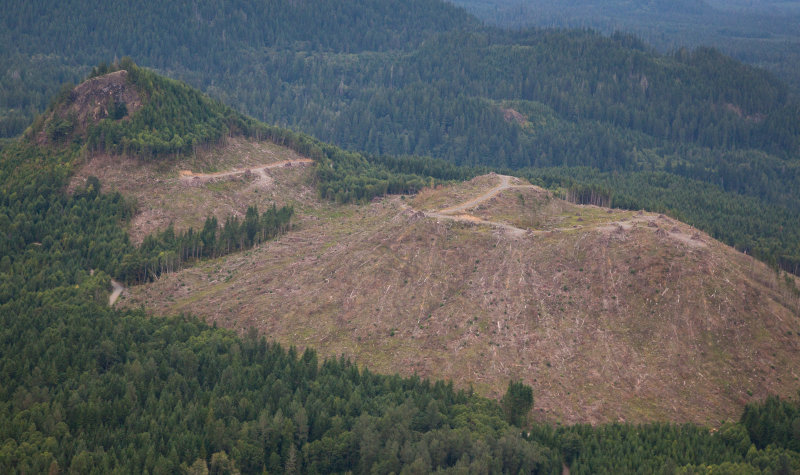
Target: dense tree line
{"x":46,"y":235}
{"x":775,"y":422}
{"x":29,"y":83}
{"x":83,"y":230}
{"x":428,"y":97}
{"x":174,"y":32}
{"x":671,"y":448}
{"x":168,"y":251}
{"x":453,"y":98}
{"x":87,"y":389}
{"x":345,"y":176}
{"x":761,"y":34}
{"x":56,"y":43}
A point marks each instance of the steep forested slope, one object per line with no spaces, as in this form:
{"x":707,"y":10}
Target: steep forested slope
{"x":206,"y":27}
{"x":49,"y":43}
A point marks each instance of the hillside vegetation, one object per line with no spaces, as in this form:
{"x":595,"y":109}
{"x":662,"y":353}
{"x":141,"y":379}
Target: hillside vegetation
{"x":57,"y":43}
{"x":420,"y":295}
{"x":91,"y":389}
{"x":427,"y":80}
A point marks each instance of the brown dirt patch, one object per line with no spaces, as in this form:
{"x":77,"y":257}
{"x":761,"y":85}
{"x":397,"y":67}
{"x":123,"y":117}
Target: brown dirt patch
{"x":163,"y":197}
{"x":604,"y":328}
{"x":511,"y":115}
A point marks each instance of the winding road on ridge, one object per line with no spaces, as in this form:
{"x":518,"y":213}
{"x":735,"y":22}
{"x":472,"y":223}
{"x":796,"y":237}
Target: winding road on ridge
{"x":186,"y":175}
{"x":505,"y":184}
{"x":459,"y":212}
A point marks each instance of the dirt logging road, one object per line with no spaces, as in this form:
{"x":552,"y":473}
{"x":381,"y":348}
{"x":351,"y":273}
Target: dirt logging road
{"x":505,"y":184}
{"x":187,"y":175}
{"x":459,"y":212}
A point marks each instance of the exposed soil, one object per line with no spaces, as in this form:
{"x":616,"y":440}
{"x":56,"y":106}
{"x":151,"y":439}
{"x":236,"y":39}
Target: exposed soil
{"x":168,"y":193}
{"x":606,"y":316}
{"x":260,"y":171}
{"x":511,"y":115}
{"x":458,"y":212}
{"x":505,"y":183}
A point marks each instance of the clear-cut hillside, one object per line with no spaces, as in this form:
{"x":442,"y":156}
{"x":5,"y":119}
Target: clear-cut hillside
{"x":608,"y":314}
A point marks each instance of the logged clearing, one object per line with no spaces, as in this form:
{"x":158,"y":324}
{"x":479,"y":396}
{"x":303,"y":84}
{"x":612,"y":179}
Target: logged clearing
{"x":609,"y":314}
{"x":221,"y":181}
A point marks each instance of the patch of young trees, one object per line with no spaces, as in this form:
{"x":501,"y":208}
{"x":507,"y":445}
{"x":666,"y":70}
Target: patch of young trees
{"x":168,"y":251}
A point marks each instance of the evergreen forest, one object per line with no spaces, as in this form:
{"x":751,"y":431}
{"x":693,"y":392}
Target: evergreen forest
{"x":386,"y":97}
{"x":765,"y":33}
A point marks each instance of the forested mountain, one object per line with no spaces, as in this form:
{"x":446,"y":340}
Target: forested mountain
{"x":763,"y":33}
{"x":205,"y":27}
{"x":133,"y":111}
{"x":89,"y":389}
{"x":50,"y":43}
{"x":423,"y":78}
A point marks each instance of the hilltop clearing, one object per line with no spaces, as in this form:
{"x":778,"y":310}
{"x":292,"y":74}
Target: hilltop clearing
{"x":609,"y":314}
{"x":106,"y":97}
{"x":186,"y":191}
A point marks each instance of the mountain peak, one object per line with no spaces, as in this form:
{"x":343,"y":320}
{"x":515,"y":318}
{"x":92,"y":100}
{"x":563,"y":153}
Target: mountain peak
{"x":110,"y":96}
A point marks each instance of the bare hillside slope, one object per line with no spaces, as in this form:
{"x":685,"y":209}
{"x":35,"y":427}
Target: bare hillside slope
{"x":609,"y":314}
